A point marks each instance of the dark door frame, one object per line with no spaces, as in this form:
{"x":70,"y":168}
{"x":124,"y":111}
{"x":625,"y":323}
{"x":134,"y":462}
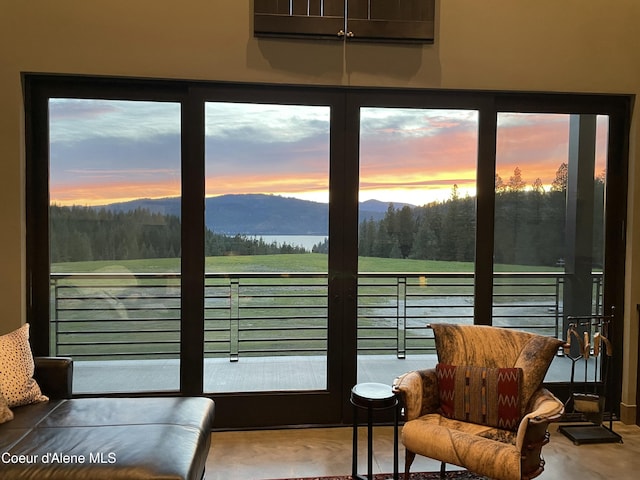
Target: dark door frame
{"x":239,"y":410}
{"x":638,"y":376}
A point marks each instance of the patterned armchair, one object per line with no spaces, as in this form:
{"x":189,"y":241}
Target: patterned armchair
{"x":482,"y":407}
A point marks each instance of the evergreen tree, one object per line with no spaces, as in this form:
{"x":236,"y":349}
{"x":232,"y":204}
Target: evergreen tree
{"x":366,"y":237}
{"x":559,"y":183}
{"x":322,"y":247}
{"x":452,"y":226}
{"x":528,"y":229}
{"x":405,"y":231}
{"x":428,"y":237}
{"x":537,"y":186}
{"x":516,"y":183}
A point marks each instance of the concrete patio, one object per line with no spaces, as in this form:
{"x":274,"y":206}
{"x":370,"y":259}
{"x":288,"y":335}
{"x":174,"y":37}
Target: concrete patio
{"x":253,"y":374}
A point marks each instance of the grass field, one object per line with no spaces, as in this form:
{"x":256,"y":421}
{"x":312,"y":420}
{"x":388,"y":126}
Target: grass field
{"x":309,"y":262}
{"x":125,"y":314}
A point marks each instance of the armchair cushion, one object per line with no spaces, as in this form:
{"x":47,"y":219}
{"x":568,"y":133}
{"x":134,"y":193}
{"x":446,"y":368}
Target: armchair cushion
{"x":481,"y":449}
{"x":486,"y":396}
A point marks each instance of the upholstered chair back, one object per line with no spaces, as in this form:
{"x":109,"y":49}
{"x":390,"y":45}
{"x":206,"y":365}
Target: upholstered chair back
{"x":493,"y":347}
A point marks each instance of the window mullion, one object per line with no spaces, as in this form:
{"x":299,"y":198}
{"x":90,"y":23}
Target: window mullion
{"x":485,"y":213}
{"x":192,"y":267}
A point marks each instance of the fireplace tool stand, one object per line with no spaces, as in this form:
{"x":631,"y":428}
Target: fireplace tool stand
{"x":591,"y":333}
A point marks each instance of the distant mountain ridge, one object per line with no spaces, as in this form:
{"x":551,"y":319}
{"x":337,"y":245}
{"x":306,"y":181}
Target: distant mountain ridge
{"x":258,"y":214}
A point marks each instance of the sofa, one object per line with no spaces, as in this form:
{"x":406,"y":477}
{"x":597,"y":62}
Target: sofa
{"x":65,"y":438}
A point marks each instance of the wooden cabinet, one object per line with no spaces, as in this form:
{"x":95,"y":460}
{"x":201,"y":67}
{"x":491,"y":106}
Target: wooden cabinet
{"x":350,"y":20}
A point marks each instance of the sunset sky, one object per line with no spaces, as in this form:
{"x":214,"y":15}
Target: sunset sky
{"x":109,"y":151}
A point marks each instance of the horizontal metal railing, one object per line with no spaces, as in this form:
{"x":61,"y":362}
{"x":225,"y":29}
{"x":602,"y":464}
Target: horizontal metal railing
{"x":265,"y":314}
{"x":111,"y":315}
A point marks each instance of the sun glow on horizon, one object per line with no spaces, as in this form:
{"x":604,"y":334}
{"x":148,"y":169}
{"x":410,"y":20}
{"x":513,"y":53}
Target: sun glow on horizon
{"x":96,"y":194}
{"x":111,"y":151}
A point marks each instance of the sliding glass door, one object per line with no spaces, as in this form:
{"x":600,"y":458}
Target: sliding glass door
{"x":272,"y":317}
{"x":114,"y":242}
{"x":266,"y":246}
{"x":271,"y":246}
{"x":416,"y":247}
{"x":549,"y":223}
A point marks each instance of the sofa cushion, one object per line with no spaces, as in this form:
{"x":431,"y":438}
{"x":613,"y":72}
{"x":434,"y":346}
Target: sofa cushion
{"x":16,"y":369}
{"x":486,"y":396}
{"x":109,"y":439}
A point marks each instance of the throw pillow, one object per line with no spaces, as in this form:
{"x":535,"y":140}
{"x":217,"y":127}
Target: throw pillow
{"x":487,"y":396}
{"x":5,"y":412}
{"x":16,"y":369}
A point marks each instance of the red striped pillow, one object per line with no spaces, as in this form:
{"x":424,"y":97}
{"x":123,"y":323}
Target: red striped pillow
{"x":488,"y":396}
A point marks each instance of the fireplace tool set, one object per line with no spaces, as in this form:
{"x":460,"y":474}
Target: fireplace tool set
{"x":588,"y":340}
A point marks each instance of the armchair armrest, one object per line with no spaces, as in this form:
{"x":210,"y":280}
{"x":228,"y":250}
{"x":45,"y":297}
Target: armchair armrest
{"x":532,"y":432}
{"x":418,"y":391}
{"x":54,"y":376}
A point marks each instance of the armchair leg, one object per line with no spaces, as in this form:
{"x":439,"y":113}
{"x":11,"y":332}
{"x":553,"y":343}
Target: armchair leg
{"x":409,"y":457}
{"x":443,"y":470}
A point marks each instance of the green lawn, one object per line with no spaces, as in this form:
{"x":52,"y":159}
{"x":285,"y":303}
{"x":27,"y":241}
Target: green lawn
{"x":310,"y":262}
{"x":103,"y":316}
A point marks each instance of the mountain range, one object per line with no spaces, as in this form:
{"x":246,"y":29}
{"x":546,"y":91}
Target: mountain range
{"x":258,"y":214}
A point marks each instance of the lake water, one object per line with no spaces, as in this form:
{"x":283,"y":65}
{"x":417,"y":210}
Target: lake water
{"x":305,"y":241}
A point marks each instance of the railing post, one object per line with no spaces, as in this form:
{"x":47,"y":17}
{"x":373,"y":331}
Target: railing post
{"x":56,"y":318}
{"x":598,"y":304}
{"x":401,"y":317}
{"x":234,"y":319}
{"x":557,"y":308}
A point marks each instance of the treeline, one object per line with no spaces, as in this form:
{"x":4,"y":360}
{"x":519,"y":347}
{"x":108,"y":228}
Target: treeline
{"x":84,"y":234}
{"x":216,"y":245}
{"x":529,"y":229}
{"x":529,"y":225}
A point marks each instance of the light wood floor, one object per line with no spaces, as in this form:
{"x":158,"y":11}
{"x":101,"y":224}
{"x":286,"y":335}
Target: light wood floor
{"x":269,"y":454}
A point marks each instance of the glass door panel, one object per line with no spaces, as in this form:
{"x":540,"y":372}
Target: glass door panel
{"x":416,"y":233}
{"x":115,"y":242}
{"x":549,"y":244}
{"x":532,"y":154}
{"x":266,"y":247}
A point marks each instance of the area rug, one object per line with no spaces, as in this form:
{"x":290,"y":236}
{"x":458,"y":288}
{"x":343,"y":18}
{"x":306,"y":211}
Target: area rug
{"x":464,"y":475}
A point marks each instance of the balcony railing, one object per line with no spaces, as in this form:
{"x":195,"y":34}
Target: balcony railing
{"x":102,"y":316}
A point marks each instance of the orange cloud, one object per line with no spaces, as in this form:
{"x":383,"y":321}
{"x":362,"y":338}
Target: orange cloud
{"x":539,"y":146}
{"x":98,"y":193}
{"x":414,"y":160}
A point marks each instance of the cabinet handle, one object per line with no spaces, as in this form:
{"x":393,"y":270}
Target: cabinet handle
{"x":349,"y":34}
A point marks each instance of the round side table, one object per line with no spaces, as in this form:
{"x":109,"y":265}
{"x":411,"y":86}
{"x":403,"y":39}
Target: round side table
{"x":373,"y":396}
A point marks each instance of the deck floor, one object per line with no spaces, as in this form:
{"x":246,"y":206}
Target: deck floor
{"x":255,"y":374}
